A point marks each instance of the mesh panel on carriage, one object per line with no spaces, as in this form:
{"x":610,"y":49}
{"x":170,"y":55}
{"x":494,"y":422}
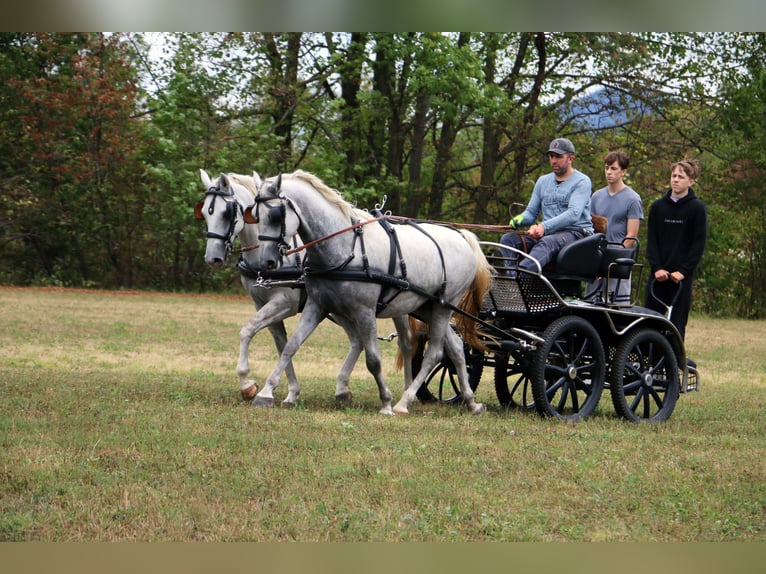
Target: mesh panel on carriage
{"x":537,"y":294}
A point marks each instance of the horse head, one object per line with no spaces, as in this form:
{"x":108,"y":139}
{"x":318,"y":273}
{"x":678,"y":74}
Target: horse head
{"x":222,"y":210}
{"x":278,"y":220}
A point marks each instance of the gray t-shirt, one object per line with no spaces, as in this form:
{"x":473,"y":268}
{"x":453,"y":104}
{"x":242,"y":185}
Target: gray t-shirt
{"x":617,"y":208}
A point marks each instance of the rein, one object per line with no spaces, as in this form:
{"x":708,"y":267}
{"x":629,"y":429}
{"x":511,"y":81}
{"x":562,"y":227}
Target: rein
{"x":339,"y":232}
{"x":477,"y":226}
{"x":398,"y":218}
{"x":244,"y":249}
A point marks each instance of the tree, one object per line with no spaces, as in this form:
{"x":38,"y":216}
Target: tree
{"x":74,"y":104}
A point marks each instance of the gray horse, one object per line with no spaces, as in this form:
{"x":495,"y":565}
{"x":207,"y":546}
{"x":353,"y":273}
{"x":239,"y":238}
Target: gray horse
{"x":222,"y":208}
{"x":361,"y":268}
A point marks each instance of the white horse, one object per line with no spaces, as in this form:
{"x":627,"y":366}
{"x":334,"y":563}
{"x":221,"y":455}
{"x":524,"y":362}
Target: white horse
{"x":222,"y":209}
{"x":362,"y":268}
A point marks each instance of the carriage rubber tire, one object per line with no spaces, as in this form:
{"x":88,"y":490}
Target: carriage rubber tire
{"x":568,"y":369}
{"x":643,"y":359}
{"x":519,"y":394}
{"x":441,"y":385}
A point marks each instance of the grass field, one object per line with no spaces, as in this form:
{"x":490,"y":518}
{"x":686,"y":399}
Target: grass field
{"x":120,"y":419}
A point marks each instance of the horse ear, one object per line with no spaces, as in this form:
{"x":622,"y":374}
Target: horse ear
{"x":224,"y":180}
{"x":248,"y":215}
{"x":276,"y":186}
{"x":257,"y":180}
{"x":206,"y":181}
{"x":198,"y":209}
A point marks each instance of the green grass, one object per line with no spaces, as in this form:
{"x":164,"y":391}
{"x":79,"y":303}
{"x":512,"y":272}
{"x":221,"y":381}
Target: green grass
{"x":120,"y":419}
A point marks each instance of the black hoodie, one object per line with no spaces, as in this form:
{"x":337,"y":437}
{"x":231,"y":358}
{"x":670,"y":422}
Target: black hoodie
{"x":677,"y":233}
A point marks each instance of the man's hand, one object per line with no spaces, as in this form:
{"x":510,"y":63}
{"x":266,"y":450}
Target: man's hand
{"x":536,"y":231}
{"x":516,"y":221}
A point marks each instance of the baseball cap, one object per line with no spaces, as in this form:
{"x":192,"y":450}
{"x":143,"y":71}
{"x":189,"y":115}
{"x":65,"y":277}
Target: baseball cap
{"x":561,"y":146}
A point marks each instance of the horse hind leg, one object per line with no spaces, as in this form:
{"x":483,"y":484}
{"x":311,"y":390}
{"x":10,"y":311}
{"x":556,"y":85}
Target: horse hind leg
{"x":407,"y":330}
{"x":366,"y":329}
{"x":442,"y":338}
{"x":453,"y":345}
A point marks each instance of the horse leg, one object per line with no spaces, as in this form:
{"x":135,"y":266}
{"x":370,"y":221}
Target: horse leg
{"x":247,"y":386}
{"x":273,"y":311}
{"x":455,"y":350}
{"x":342,"y":390}
{"x":405,"y":340}
{"x":312,"y":315}
{"x":367,"y":329}
{"x":279,"y":334}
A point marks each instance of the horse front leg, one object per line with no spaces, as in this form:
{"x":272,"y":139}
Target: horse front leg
{"x":247,"y":386}
{"x":279,"y":334}
{"x":311,"y":317}
{"x":276,"y":309}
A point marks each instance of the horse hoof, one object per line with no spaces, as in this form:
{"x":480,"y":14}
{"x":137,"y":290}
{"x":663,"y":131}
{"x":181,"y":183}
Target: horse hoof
{"x":344,"y":397}
{"x":262,"y":402}
{"x":399,"y":411}
{"x":288,"y":404}
{"x":248,"y":393}
{"x":479,"y":409}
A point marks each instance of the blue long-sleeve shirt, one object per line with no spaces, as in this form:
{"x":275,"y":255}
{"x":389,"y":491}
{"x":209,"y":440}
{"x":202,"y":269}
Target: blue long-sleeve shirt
{"x":564,"y":205}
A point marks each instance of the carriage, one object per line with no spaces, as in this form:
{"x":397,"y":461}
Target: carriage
{"x":554,"y":348}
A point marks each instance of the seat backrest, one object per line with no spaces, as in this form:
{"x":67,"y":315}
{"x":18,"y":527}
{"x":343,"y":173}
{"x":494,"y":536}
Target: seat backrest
{"x":582,"y":258}
{"x":613,"y":254}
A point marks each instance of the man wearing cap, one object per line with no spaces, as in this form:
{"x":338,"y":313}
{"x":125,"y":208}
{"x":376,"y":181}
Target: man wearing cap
{"x":563,"y":199}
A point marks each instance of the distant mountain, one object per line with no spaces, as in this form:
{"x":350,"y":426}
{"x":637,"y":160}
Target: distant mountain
{"x":603,"y":108}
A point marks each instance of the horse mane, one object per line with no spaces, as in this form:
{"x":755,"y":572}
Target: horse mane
{"x":331,"y":195}
{"x":245,"y":181}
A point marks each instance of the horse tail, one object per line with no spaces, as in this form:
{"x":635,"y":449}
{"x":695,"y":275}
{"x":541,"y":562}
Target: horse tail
{"x":472,"y":300}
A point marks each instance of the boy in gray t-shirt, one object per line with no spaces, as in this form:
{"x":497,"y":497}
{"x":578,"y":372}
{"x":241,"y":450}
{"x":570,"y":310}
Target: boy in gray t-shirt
{"x":624,"y":212}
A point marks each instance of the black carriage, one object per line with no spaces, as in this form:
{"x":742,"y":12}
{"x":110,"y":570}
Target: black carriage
{"x":555,"y":348}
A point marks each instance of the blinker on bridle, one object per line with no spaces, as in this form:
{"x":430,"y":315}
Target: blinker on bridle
{"x":230,"y":213}
{"x":274,"y":213}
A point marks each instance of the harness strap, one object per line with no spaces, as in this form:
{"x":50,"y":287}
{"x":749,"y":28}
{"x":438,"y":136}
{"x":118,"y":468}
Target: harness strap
{"x":443,"y":287}
{"x":395,"y":254}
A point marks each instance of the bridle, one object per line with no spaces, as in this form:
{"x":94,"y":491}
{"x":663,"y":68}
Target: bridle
{"x":274,"y":213}
{"x":231,"y":208}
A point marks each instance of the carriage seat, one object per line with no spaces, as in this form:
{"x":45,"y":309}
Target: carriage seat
{"x":591,"y":257}
{"x":581,"y":259}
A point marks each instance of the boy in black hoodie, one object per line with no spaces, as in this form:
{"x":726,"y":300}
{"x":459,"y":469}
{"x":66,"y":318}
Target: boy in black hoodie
{"x":677,"y":233}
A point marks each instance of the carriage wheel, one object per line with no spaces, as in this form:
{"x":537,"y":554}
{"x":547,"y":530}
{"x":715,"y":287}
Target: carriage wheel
{"x":512,"y":384}
{"x":568,"y":369}
{"x":644,"y":380}
{"x":442,"y":384}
